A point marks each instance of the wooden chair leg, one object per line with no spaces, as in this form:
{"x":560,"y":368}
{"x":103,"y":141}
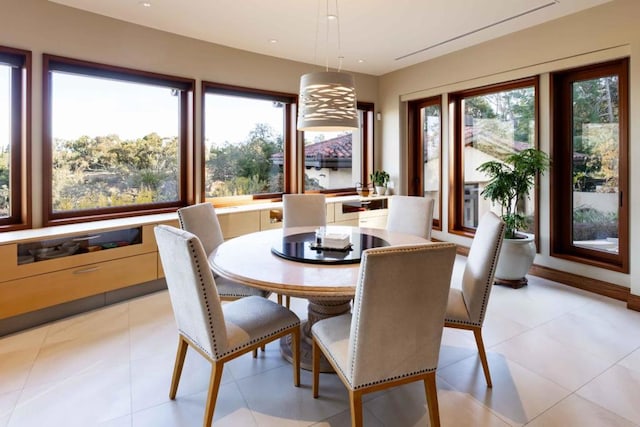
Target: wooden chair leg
{"x":288,"y":301}
{"x":355,"y":400}
{"x":315,"y":367}
{"x":212,"y":395}
{"x":477,"y":332}
{"x":432,"y":399}
{"x":177,"y":367}
{"x":255,"y":351}
{"x":279,"y":299}
{"x":295,"y":343}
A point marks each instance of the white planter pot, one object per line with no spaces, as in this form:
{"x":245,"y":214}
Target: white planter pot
{"x":380,"y":190}
{"x":516,"y":257}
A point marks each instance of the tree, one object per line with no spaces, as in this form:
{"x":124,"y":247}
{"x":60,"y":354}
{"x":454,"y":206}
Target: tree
{"x":103,"y":171}
{"x":594,"y":108}
{"x":247,"y":167}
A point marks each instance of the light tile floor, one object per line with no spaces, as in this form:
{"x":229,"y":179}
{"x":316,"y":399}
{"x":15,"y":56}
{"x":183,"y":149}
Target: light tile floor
{"x":558,"y":357}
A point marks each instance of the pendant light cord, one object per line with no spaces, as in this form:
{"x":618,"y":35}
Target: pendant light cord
{"x":340,"y":58}
{"x":326,"y":36}
{"x":315,"y":48}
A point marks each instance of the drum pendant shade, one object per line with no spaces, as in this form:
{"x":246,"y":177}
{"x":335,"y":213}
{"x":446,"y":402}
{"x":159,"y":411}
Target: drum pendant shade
{"x":327,"y":102}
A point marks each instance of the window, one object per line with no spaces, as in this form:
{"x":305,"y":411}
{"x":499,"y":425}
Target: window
{"x":250,"y":148}
{"x":336,"y":161}
{"x":115,"y":140}
{"x":490,"y":123}
{"x":246,"y":136}
{"x":590,"y":180}
{"x":15,"y":133}
{"x":425,"y":146}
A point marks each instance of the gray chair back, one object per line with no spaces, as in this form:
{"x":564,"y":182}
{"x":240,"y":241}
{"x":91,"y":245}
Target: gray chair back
{"x":399,"y":307}
{"x":477,"y":279}
{"x":194,"y":298}
{"x":201,"y":220}
{"x":411,"y":215}
{"x":299,"y":210}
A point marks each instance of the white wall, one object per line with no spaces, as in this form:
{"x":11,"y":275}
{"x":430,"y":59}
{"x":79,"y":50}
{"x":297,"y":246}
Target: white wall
{"x":45,"y":27}
{"x":598,"y":34}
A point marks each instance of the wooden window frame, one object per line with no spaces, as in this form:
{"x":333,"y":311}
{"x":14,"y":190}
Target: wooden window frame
{"x":561,"y":176}
{"x":290,"y":102}
{"x":456,"y":178}
{"x":415,"y":150}
{"x":20,"y":173}
{"x":294,"y":155}
{"x":185,"y":86}
{"x":366,"y":150}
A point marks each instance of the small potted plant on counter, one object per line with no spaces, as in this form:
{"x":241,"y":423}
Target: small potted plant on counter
{"x":380,"y":178}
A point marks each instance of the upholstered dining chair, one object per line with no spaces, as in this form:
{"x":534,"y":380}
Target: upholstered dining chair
{"x":411,"y":215}
{"x":467,"y":305}
{"x":201,"y":220}
{"x":299,"y":210}
{"x":391,"y":338}
{"x":218,"y":332}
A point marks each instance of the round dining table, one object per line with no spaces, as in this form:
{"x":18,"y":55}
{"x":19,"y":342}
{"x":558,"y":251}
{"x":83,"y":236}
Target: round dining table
{"x":326,"y":278}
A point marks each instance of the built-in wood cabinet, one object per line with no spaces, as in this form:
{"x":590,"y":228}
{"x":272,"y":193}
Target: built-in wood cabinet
{"x":56,"y":287}
{"x":370,"y":212}
{"x":43,"y":268}
{"x":354,"y":211}
{"x":50,"y":266}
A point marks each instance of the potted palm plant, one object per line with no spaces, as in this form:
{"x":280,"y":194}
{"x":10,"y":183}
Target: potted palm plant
{"x":380,"y":178}
{"x":510,"y":182}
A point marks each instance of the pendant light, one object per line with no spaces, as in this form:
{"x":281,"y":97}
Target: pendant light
{"x":328,"y":98}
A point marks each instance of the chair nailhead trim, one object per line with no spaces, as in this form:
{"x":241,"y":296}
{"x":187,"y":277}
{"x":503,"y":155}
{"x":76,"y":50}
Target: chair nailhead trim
{"x":355,"y":339}
{"x":492,"y":272}
{"x":385,"y":380}
{"x":204,"y":294}
{"x":256,"y":340}
{"x":463,"y":322}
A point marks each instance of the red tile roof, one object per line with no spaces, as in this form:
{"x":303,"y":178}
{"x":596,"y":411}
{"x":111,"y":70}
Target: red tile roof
{"x":339,"y":147}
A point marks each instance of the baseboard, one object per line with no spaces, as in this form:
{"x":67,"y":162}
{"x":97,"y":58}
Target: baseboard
{"x":633,"y":303}
{"x":32,"y":319}
{"x":599,"y":287}
{"x":462,"y":250}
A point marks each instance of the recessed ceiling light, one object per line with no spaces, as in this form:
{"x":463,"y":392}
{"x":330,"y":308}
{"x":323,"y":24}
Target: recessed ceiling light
{"x":273,"y":41}
{"x":145,"y":3}
{"x":360,"y":61}
{"x":332,"y":17}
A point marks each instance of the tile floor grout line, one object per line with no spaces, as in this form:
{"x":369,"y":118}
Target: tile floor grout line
{"x":24,"y":384}
{"x":474,"y":399}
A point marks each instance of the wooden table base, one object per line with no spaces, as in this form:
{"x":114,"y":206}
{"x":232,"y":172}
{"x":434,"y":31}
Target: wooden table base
{"x":317,"y":309}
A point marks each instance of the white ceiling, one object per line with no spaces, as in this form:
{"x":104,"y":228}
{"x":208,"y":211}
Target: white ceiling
{"x":374,"y":34}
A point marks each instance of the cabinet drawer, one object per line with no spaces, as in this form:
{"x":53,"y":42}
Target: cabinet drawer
{"x":356,"y":210}
{"x":349,"y":222}
{"x":374,"y":221}
{"x":270,"y":219}
{"x":45,"y":290}
{"x":331,"y":216}
{"x":341,"y":215}
{"x":238,"y":223}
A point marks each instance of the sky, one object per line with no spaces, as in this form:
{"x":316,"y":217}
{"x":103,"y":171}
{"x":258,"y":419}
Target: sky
{"x":231,"y":118}
{"x":98,"y":107}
